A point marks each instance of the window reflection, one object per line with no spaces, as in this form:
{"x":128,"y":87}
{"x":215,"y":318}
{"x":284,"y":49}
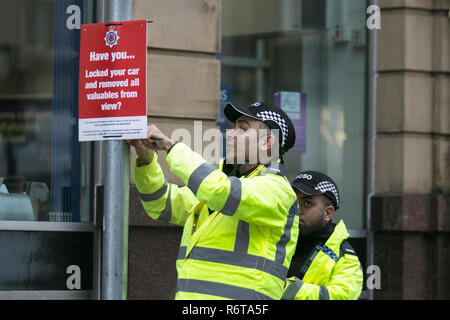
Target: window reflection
{"x":25,"y":133}
{"x":309,"y":47}
{"x":41,"y":176}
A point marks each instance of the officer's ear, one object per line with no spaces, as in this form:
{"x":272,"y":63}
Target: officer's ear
{"x":329,"y":209}
{"x":329,"y":213}
{"x":266,"y":139}
{"x":265,"y":148}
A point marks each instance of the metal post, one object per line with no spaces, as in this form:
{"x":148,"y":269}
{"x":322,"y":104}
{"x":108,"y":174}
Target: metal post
{"x":372,"y":76}
{"x":116,"y":196}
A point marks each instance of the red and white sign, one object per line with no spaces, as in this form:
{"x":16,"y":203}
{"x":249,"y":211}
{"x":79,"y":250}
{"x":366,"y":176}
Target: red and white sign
{"x":113,"y":81}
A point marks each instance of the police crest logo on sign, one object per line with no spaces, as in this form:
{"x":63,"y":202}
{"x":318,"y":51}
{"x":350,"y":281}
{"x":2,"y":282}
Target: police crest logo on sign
{"x":111,"y":37}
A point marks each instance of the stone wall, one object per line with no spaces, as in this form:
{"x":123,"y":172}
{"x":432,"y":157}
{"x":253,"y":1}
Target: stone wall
{"x":411,"y":208}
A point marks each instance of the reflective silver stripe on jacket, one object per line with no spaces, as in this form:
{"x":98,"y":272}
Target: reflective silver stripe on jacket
{"x":292,"y":290}
{"x":281,"y":245}
{"x":323,"y":294}
{"x":219,"y":289}
{"x":234,"y":197}
{"x":181,"y":252}
{"x":242,"y":238}
{"x":236,"y":259}
{"x":166,"y":215}
{"x":199,"y":175}
{"x":155,"y":195}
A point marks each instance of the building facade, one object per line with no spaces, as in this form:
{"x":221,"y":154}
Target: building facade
{"x":410,"y":206}
{"x":367,"y":84}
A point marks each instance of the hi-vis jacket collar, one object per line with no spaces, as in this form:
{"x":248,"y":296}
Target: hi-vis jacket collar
{"x":274,"y":167}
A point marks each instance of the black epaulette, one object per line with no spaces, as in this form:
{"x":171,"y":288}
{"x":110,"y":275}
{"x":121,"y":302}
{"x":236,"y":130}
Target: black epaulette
{"x":346,"y":248}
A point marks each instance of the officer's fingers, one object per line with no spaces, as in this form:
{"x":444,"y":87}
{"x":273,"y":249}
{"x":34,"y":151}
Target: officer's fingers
{"x":149,"y":144}
{"x":140,"y":144}
{"x":155,"y":134}
{"x":132,"y":143}
{"x":151,"y":129}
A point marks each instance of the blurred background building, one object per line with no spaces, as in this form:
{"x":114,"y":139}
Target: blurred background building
{"x":372,"y":108}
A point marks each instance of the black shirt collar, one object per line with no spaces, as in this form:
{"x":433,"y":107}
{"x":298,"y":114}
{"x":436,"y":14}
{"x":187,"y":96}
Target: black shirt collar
{"x":323,"y":233}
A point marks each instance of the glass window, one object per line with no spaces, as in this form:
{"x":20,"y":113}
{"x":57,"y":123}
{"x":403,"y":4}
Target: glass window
{"x":316,"y":48}
{"x":44,"y":172}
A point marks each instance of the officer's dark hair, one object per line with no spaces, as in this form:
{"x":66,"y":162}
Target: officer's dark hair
{"x":326,"y":202}
{"x":264,"y":126}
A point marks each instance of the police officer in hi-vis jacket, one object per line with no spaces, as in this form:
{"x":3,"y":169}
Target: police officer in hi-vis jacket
{"x":324,"y":266}
{"x":240,"y":220}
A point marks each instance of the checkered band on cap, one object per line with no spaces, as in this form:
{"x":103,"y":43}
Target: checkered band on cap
{"x":328,"y":186}
{"x":270,"y":115}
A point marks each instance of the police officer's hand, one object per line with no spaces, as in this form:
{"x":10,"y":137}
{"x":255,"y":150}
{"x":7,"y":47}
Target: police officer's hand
{"x":156,"y":140}
{"x":144,"y":151}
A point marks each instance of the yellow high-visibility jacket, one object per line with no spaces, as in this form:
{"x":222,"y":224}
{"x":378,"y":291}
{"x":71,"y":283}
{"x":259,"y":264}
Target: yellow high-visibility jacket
{"x":239,"y":233}
{"x":334,"y":274}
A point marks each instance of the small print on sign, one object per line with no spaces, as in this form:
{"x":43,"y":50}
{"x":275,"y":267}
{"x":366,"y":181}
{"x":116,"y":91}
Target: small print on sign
{"x":113,"y":83}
